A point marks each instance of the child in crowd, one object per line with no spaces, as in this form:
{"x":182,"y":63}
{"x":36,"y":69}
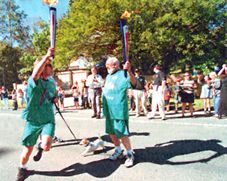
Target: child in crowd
{"x":177,"y":97}
{"x":206,"y":93}
{"x":167,"y":96}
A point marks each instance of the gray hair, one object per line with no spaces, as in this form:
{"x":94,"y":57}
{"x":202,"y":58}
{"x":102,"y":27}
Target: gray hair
{"x":113,"y":61}
{"x":212,"y":74}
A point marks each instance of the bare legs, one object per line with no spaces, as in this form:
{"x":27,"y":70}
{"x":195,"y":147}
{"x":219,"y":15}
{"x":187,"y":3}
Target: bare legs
{"x":27,"y":150}
{"x":190,"y":108}
{"x":125,"y":141}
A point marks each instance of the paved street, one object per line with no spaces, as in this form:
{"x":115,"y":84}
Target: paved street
{"x":189,"y":149}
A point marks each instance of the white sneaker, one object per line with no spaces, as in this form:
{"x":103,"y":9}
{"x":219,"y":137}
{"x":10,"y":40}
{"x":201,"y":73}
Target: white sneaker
{"x":163,"y":118}
{"x":116,"y":155}
{"x":137,"y":115}
{"x":129,"y":160}
{"x":150,"y":116}
{"x":145,"y":113}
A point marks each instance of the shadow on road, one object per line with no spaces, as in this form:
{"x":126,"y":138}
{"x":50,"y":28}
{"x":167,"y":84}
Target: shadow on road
{"x":159,"y":154}
{"x":5,"y":151}
{"x":162,"y":153}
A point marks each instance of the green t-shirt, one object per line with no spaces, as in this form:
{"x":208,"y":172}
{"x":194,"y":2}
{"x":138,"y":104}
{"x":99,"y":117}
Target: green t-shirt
{"x":115,"y":100}
{"x":39,"y":109}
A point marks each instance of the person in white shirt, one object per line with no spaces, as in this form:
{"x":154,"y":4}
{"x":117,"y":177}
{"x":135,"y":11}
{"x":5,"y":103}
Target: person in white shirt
{"x":95,"y":84}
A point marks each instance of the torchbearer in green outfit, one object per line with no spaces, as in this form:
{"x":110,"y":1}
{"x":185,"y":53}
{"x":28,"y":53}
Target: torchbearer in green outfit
{"x":115,"y":107}
{"x":39,"y":113}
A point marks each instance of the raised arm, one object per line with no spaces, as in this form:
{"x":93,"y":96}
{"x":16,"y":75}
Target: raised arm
{"x":224,"y":66}
{"x":39,"y":67}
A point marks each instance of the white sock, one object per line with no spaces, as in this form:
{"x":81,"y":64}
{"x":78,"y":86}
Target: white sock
{"x":118,"y":149}
{"x":23,"y":166}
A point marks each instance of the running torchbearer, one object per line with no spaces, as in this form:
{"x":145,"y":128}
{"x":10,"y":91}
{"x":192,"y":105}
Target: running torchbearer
{"x":39,"y":113}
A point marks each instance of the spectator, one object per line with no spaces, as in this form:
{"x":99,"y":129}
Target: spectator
{"x":167,"y":96}
{"x":5,"y":97}
{"x":131,"y":100}
{"x":25,"y":91}
{"x":205,"y":93}
{"x":20,"y":98}
{"x":216,"y":92}
{"x":95,"y":84}
{"x":1,"y":97}
{"x":76,"y":94}
{"x":223,"y":97}
{"x":61,"y":96}
{"x":139,"y":93}
{"x":177,"y":97}
{"x":85,"y":103}
{"x":149,"y":94}
{"x":187,"y":95}
{"x":158,"y":93}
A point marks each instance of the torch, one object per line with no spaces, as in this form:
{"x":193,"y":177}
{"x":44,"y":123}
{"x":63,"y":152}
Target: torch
{"x":124,"y":34}
{"x":53,"y":20}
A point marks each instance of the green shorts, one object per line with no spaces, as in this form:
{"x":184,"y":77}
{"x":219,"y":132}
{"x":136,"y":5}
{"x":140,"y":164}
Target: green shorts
{"x":117,"y":127}
{"x":32,"y":132}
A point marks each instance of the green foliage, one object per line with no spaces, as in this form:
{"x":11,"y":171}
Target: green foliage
{"x":176,"y":33}
{"x":13,"y":31}
{"x":10,"y":66}
{"x":40,"y":44}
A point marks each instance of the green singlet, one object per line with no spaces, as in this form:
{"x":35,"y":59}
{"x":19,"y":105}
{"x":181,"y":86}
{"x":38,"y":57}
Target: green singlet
{"x":115,"y":103}
{"x":39,"y":113}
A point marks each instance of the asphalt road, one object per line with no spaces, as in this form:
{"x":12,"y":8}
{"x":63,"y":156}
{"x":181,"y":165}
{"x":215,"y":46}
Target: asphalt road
{"x":189,"y":149}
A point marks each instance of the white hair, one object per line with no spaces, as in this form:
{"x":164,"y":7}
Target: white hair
{"x":212,"y":74}
{"x":112,"y":61}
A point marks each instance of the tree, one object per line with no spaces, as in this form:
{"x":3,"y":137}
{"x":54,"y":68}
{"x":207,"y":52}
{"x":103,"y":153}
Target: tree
{"x":13,"y":31}
{"x":173,"y":33}
{"x":10,"y":66}
{"x":39,"y":46}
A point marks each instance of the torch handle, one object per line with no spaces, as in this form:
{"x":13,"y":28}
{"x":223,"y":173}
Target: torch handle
{"x":125,"y":49}
{"x":52,"y":27}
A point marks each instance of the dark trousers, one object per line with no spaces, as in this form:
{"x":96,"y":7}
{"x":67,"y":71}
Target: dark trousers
{"x":96,"y":101}
{"x":15,"y":105}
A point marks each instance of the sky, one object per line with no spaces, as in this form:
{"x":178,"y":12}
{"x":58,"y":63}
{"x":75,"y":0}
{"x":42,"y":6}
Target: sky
{"x":35,"y":9}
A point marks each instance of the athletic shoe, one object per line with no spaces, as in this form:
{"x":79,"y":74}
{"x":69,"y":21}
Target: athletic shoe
{"x":150,"y":116}
{"x":38,"y":156}
{"x":117,"y":155}
{"x":129,"y":162}
{"x":22,"y":174}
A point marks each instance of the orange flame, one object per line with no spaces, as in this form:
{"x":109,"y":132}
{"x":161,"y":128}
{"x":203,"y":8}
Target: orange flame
{"x":125,"y":15}
{"x":50,"y":2}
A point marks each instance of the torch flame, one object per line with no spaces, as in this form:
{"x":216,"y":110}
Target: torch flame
{"x":50,"y":2}
{"x":125,"y":15}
